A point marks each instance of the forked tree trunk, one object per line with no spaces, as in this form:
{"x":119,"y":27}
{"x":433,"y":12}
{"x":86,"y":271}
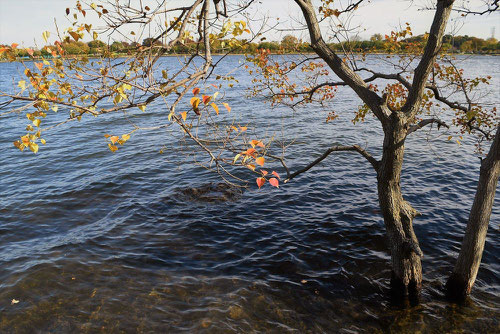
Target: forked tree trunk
{"x":398,"y":214}
{"x":464,"y":274}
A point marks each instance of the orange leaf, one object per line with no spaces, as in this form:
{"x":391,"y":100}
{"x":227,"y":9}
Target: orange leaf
{"x":215,"y":107}
{"x":113,"y":148}
{"x":195,"y":102}
{"x":264,"y":172}
{"x":2,"y":50}
{"x":261,"y":181}
{"x":196,"y":91}
{"x":227,"y":106}
{"x":252,"y":167}
{"x":243,"y":128}
{"x":30,"y":51}
{"x":257,"y":143}
{"x":39,"y":66}
{"x":14,"y":45}
{"x":274,"y":182}
{"x":260,"y":161}
{"x":184,"y":115}
{"x":250,"y":151}
{"x":206,"y":98}
{"x":276,"y":174}
{"x":114,"y":139}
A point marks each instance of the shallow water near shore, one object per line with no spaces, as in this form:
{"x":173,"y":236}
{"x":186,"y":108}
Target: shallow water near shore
{"x":93,"y":241}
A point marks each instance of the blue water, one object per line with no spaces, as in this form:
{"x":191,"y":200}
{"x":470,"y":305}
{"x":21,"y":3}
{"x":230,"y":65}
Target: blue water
{"x":95,"y":241}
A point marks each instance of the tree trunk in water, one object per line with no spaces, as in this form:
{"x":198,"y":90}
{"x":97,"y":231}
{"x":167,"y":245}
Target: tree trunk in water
{"x":398,"y":214}
{"x":464,"y":274}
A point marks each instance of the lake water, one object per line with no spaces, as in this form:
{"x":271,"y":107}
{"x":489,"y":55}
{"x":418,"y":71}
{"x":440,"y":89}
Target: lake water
{"x":94,"y":241}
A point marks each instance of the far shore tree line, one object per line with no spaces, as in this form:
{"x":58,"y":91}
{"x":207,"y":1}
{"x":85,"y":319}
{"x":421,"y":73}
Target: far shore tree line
{"x":289,"y":44}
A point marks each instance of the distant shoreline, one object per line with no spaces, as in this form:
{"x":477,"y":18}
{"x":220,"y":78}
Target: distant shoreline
{"x":19,"y":59}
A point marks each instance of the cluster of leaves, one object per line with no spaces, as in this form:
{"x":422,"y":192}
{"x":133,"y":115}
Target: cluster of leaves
{"x":289,"y":81}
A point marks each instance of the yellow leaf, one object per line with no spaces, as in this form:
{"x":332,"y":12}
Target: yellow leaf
{"x":22,"y":84}
{"x":142,"y":107}
{"x":170,"y":116}
{"x":113,"y":148}
{"x":45,"y":36}
{"x":36,"y":122}
{"x":93,"y":6}
{"x":215,"y":107}
{"x":43,"y":141}
{"x":184,"y":115}
{"x":227,"y":106}
{"x":125,"y":137}
{"x":195,"y":102}
{"x":33,"y":147}
{"x":114,"y":139}
{"x":236,"y":158}
{"x":54,"y":108}
{"x":95,"y":35}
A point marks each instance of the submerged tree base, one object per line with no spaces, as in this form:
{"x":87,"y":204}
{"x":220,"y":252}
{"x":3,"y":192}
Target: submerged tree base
{"x":400,"y":292}
{"x":456,"y":289}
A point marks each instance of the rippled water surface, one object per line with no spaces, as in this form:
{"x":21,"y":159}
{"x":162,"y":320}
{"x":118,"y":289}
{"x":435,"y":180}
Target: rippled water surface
{"x":94,"y":241}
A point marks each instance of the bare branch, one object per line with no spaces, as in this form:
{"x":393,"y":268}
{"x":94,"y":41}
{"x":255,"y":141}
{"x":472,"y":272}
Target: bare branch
{"x":338,"y":148}
{"x":425,"y":122}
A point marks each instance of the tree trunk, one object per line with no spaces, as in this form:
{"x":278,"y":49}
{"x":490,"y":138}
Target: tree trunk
{"x":464,"y":274}
{"x":398,"y":214}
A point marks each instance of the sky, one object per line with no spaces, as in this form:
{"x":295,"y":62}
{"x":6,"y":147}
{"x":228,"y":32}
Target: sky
{"x":23,"y":21}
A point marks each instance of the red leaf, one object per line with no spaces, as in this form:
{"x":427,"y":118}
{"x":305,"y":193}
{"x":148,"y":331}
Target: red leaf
{"x":274,"y":182}
{"x":276,"y":174}
{"x":260,"y":181}
{"x":206,"y":98}
{"x":196,"y":91}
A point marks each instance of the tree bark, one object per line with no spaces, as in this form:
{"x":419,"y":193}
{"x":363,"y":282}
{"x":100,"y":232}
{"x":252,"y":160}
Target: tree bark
{"x":464,"y":274}
{"x":398,"y":213}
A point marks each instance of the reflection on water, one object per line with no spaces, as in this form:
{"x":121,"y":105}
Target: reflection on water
{"x":92,"y":241}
